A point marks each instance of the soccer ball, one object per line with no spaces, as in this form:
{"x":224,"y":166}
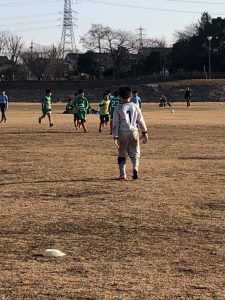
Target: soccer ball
{"x":172,"y":111}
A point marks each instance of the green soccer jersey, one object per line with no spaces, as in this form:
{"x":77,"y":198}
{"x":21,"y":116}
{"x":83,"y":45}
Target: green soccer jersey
{"x":82,"y":105}
{"x":114,"y":102}
{"x":73,"y":105}
{"x":104,"y":107}
{"x":46,"y":104}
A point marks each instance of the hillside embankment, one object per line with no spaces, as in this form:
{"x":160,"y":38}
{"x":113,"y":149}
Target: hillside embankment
{"x":32,"y":91}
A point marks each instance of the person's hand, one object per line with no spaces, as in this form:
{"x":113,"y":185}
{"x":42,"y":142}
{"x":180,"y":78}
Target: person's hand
{"x":144,"y":138}
{"x":116,"y":143}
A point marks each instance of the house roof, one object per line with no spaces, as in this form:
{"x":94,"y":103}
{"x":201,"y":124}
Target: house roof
{"x":4,"y":60}
{"x":146,"y":51}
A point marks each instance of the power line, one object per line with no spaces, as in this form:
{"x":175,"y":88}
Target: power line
{"x":150,"y":8}
{"x":29,"y":16}
{"x":36,"y":28}
{"x":28,"y":3}
{"x":24,"y":23}
{"x":196,"y":2}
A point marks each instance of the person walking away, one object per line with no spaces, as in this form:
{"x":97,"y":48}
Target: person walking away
{"x":104,"y":111}
{"x":114,"y":102}
{"x":4,"y":103}
{"x":127,"y":117}
{"x":46,"y":107}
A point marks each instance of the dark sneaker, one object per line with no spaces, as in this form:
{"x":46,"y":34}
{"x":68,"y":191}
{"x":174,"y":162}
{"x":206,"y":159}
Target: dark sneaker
{"x":39,"y":120}
{"x":51,"y":124}
{"x":135,"y":174}
{"x":122,"y":177}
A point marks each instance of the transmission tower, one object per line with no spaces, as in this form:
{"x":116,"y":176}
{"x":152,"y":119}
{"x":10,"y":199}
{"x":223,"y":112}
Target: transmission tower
{"x":67,"y":38}
{"x":141,"y":30}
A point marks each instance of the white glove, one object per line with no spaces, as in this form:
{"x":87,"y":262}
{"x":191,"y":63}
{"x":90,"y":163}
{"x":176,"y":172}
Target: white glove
{"x":144,"y":138}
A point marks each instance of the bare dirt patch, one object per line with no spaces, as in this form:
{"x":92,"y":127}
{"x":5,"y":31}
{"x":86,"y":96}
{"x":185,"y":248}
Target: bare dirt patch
{"x":161,"y":237}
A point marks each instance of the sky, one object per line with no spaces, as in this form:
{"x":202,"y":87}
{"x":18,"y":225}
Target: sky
{"x":40,"y":21}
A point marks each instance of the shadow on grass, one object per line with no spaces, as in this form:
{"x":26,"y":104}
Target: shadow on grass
{"x":203,"y":158}
{"x":61,"y":181}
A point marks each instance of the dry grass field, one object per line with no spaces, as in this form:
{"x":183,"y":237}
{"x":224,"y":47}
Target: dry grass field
{"x":161,"y":237}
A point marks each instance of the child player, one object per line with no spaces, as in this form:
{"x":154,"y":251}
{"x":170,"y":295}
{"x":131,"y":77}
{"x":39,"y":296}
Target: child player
{"x":82,"y":105}
{"x":104,"y":111}
{"x":126,"y":118}
{"x":4,"y":101}
{"x":75,"y":116}
{"x":46,"y":106}
{"x":114,"y":102}
{"x":135,"y":98}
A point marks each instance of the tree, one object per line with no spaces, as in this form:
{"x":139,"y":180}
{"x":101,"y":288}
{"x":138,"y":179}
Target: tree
{"x":3,"y":43}
{"x":87,"y":63}
{"x":120,"y":44}
{"x":14,"y":46}
{"x":93,"y":40}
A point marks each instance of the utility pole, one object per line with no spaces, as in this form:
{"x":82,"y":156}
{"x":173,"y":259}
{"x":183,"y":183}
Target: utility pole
{"x":67,"y":38}
{"x":141,"y":34}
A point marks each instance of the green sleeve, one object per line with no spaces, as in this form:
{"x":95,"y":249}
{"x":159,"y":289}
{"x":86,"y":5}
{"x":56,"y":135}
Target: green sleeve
{"x":87,"y":104}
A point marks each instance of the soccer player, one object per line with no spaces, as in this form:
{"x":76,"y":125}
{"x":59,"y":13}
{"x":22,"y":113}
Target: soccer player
{"x":4,"y":102}
{"x":75,"y":116}
{"x":82,"y":106}
{"x":104,"y":111}
{"x":135,"y":98}
{"x":46,"y":106}
{"x":109,"y":92}
{"x":114,"y":102}
{"x":126,"y":118}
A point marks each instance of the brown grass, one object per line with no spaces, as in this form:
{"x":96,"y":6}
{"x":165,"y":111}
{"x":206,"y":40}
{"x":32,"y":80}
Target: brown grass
{"x":161,"y":237}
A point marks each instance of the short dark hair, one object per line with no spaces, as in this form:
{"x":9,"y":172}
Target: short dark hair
{"x":109,"y":92}
{"x":2,"y":90}
{"x":76,"y":94}
{"x":134,"y":92}
{"x":125,"y":92}
{"x":104,"y":94}
{"x":48,"y":91}
{"x":80,"y":91}
{"x":116,"y":93}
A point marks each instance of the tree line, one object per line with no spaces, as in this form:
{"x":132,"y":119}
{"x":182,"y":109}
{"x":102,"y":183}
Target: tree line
{"x":117,"y":53}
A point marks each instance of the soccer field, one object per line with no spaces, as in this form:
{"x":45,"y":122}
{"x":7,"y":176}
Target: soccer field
{"x":160,"y":237}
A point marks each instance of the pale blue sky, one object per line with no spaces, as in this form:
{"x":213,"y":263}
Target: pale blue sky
{"x":40,"y":20}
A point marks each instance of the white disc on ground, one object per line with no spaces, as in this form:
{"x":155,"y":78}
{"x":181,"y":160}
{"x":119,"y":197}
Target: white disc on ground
{"x":53,"y":253}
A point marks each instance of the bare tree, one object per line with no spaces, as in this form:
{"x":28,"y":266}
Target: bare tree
{"x":14,"y":49}
{"x":3,"y":42}
{"x":94,"y":40}
{"x":155,"y":42}
{"x":120,"y":44}
{"x":187,"y":33}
